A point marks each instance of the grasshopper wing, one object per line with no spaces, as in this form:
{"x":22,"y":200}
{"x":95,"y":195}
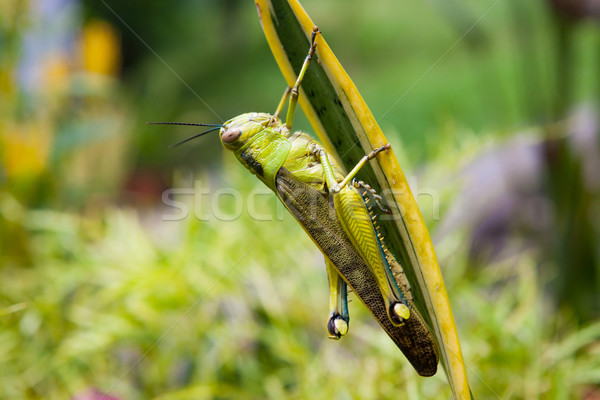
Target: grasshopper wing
{"x":318,"y":218}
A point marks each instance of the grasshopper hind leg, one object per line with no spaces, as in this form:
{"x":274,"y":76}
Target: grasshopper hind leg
{"x":399,"y":312}
{"x":357,"y":223}
{"x":369,"y":192}
{"x":339,"y":319}
{"x":398,"y":309}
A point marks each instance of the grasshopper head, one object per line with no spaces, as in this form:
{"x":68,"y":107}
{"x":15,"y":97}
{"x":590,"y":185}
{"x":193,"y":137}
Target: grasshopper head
{"x":239,"y":130}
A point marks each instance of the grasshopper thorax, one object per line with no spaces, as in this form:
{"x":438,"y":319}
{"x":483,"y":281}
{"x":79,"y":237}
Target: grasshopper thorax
{"x":240,"y":130}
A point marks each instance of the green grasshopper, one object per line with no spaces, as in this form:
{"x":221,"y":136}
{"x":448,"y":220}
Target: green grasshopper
{"x":335,"y":212}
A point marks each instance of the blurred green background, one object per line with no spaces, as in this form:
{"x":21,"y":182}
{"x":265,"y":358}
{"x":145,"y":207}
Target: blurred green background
{"x":109,"y":289}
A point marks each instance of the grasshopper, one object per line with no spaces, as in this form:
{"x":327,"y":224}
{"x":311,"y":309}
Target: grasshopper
{"x":335,"y":211}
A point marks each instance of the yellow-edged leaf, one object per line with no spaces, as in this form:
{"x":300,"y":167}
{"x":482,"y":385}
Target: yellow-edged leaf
{"x":348,"y":130}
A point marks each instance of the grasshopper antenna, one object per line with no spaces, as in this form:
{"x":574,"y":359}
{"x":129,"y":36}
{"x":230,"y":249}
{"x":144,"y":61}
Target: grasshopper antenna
{"x":183,"y":123}
{"x":214,"y":127}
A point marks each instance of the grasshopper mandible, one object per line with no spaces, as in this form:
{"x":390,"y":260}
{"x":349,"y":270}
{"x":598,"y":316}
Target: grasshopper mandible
{"x":335,"y":211}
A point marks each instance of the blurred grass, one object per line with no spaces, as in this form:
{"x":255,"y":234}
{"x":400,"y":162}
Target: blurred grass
{"x":91,"y":276}
{"x":235,"y":319}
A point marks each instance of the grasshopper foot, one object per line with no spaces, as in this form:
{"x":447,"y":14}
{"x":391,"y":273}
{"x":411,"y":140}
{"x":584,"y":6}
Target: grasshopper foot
{"x":337,"y":327}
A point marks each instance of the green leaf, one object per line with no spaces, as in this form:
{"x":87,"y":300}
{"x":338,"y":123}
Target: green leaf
{"x":348,"y":130}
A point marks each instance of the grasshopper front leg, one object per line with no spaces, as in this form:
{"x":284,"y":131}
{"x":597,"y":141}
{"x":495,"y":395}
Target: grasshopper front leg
{"x":358,"y":226}
{"x":295,"y":91}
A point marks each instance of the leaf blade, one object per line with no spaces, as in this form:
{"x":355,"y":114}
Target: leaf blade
{"x":348,"y":130}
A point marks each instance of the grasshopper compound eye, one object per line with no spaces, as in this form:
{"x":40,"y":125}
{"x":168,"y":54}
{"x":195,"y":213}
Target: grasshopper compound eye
{"x":231,"y":135}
